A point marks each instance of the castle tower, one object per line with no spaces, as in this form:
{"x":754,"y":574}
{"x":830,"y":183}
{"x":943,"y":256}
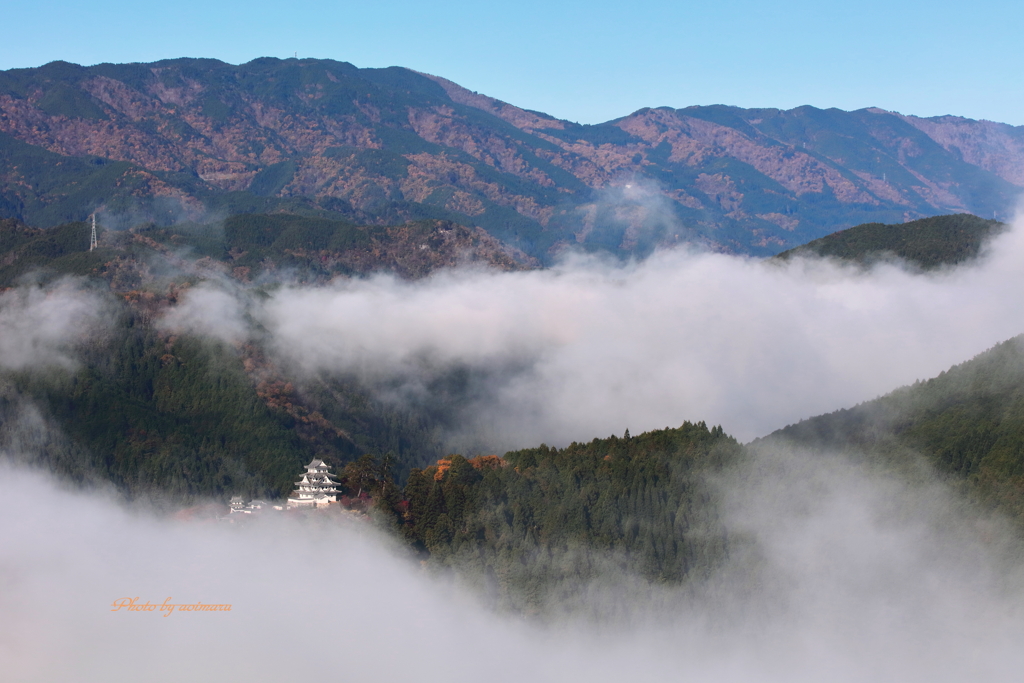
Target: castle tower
{"x":316,"y":488}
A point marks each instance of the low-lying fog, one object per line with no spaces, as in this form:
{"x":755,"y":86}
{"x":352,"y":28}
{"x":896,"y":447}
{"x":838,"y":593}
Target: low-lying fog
{"x":850,"y":576}
{"x":590,"y":348}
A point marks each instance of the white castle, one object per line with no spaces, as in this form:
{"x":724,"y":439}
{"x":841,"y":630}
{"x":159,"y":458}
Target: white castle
{"x":316,"y":488}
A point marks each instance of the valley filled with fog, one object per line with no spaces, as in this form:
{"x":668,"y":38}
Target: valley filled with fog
{"x":843,"y":570}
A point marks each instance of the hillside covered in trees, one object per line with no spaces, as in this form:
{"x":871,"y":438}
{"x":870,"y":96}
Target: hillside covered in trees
{"x":184,"y":416}
{"x":538,"y":524}
{"x":927,"y":242}
{"x":967,"y":423}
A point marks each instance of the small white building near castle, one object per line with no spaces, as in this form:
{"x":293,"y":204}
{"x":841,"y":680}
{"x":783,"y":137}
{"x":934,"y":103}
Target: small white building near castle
{"x":318,"y":487}
{"x":239,"y":506}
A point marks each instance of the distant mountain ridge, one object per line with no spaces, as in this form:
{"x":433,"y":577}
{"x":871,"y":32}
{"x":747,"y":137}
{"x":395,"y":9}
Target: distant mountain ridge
{"x":182,"y":138}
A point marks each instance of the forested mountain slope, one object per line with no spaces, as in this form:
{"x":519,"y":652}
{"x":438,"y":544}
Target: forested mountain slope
{"x":968,"y":423}
{"x":245,"y":246}
{"x":173,"y":140}
{"x":927,"y":242}
{"x":184,"y":416}
{"x":537,"y":525}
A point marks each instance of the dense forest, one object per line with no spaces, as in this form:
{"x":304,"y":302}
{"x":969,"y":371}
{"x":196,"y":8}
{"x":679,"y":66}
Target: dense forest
{"x":927,"y":243}
{"x":535,"y":529}
{"x":181,"y":417}
{"x":188,"y":417}
{"x":538,"y":524}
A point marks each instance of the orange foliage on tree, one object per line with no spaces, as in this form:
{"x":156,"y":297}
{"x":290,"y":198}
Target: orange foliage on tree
{"x":480,"y":462}
{"x":486,"y":462}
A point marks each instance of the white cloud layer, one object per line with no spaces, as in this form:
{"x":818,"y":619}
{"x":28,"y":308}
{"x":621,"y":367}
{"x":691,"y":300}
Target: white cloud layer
{"x":681,"y":336}
{"x":207,"y":310}
{"x":41,"y":326}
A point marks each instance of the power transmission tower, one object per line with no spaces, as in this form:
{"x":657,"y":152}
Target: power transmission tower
{"x":92,"y":237}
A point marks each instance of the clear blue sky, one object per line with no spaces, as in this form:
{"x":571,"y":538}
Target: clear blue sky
{"x":585,"y":61}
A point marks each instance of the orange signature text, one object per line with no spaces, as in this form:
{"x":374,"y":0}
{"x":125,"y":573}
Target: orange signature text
{"x":133,"y":605}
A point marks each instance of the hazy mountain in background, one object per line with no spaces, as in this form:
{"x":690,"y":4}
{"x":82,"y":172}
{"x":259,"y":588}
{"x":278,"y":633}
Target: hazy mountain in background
{"x":189,"y":138}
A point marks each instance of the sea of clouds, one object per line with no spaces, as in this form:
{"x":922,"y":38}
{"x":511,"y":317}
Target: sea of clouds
{"x":850,"y":576}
